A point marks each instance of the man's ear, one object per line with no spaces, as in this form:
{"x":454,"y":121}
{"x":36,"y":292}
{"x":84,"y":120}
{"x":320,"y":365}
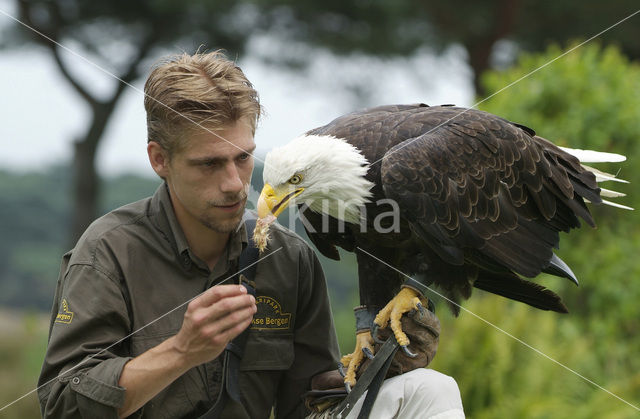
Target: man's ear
{"x":159,"y":159}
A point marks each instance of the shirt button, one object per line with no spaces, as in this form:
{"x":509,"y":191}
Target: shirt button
{"x":76,"y":380}
{"x":186,"y":260}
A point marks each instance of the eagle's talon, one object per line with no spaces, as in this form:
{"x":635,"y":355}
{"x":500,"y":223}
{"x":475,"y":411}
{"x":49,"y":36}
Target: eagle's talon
{"x":341,"y":369}
{"x":406,"y":350}
{"x":367,"y":352}
{"x":374,"y":334}
{"x":431,"y":306}
{"x":421,"y":308}
{"x":405,"y":301}
{"x":353,"y":360}
{"x":347,"y":387}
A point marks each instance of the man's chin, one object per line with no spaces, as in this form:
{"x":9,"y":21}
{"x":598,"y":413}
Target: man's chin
{"x":224,"y":225}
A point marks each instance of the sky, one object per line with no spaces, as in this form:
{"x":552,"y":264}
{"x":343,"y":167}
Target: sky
{"x":41,"y":114}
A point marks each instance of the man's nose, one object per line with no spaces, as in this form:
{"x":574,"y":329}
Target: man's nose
{"x":231,"y":183}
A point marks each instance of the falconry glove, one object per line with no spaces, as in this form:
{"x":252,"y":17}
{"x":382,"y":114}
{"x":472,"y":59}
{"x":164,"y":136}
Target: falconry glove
{"x":423,"y":329}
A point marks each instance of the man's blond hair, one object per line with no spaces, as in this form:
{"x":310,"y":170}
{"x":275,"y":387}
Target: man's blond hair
{"x":188,"y":92}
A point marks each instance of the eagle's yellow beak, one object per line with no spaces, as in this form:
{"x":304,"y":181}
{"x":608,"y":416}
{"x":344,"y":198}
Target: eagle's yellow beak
{"x":272,"y":203}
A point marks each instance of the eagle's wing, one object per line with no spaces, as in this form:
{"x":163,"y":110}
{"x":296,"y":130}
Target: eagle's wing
{"x":479,"y":187}
{"x":326,"y":233}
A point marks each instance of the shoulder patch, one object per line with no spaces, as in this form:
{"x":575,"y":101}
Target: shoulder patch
{"x":64,"y":315}
{"x":270,"y":315}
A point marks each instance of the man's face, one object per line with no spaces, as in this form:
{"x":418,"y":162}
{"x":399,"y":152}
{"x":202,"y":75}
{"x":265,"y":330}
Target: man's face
{"x":209,"y":177}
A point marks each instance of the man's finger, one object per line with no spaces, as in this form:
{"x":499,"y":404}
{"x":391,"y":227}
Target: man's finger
{"x":202,"y":316}
{"x":232,"y":324}
{"x":227,"y":306}
{"x":217,"y":293}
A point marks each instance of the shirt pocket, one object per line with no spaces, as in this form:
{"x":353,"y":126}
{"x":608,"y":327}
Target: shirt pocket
{"x":268,"y":350}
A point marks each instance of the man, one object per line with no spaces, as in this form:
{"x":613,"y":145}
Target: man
{"x":122,"y":339}
{"x":123,"y":286}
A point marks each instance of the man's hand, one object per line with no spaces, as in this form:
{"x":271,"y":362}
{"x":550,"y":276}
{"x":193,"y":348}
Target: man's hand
{"x":212,"y":320}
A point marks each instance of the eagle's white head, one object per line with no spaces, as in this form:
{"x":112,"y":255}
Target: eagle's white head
{"x":324,"y":172}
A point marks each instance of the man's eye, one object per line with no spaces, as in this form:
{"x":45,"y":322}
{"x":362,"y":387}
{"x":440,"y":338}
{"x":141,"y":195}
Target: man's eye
{"x":244,"y":156}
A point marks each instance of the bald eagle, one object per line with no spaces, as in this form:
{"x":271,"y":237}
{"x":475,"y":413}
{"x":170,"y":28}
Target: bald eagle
{"x":456,"y":197}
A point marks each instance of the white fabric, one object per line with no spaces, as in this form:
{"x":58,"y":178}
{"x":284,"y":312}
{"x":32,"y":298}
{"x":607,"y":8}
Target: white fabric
{"x":421,"y":393}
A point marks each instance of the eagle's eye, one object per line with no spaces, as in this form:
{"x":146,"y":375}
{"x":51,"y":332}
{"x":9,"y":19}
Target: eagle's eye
{"x":295,"y":179}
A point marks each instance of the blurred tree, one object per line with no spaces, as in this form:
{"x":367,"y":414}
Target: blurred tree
{"x":491,"y":31}
{"x":588,"y":99}
{"x":120,"y":35}
{"x":35,"y":223}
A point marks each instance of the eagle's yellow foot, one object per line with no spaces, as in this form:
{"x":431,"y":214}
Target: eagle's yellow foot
{"x":364,"y":345}
{"x":406,"y":300}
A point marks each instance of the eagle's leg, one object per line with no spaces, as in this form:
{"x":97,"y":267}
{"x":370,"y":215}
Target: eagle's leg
{"x":352,"y":361}
{"x":406,"y":300}
{"x":364,"y":344}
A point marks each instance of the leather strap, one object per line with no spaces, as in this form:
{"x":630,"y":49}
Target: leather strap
{"x":383,"y":357}
{"x":232,"y":355}
{"x":374,"y":389}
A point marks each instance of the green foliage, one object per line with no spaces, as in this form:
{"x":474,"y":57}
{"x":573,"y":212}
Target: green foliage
{"x":23,"y":339}
{"x":34,"y":215}
{"x":501,"y":377}
{"x":587,"y":99}
{"x":126,"y":189}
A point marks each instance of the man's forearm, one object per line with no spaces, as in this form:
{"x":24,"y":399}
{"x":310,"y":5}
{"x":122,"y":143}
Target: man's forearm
{"x":211,"y":321}
{"x":146,"y":375}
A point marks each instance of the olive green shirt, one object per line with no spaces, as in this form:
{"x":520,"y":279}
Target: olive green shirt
{"x":123,"y":290}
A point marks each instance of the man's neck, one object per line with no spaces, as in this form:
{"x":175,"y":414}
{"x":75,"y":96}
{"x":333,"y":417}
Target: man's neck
{"x":205,"y":243}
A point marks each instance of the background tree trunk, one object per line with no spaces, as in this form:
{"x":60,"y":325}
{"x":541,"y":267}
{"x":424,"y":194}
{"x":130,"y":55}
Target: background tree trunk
{"x":86,"y":189}
{"x":86,"y":181}
{"x":480,"y":48}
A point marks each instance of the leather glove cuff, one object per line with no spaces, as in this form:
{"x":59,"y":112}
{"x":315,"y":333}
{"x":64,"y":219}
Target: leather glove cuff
{"x":364,"y":318}
{"x":415,"y":285}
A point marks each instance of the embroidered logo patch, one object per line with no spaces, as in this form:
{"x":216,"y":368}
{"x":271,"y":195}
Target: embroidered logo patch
{"x":65,"y":316}
{"x":269,"y":315}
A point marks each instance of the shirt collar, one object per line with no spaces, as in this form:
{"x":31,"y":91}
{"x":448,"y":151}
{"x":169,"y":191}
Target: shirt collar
{"x":164,"y":218}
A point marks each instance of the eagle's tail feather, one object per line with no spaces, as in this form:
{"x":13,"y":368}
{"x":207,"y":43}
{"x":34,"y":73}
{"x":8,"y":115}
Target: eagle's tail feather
{"x":511,"y":286}
{"x":591,"y":156}
{"x":603,"y":176}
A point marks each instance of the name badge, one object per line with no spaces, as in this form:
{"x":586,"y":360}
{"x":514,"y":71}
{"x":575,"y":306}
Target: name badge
{"x":270,"y":315}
